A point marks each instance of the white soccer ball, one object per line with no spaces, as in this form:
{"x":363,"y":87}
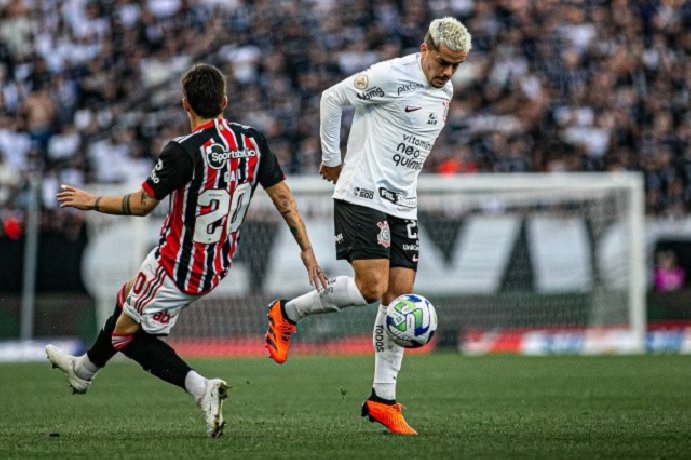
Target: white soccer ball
{"x":411,"y":320}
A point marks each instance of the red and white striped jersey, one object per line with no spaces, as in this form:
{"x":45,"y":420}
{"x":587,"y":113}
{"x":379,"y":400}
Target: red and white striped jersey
{"x":210,"y":176}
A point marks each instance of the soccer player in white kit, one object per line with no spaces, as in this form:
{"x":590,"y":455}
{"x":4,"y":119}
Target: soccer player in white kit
{"x":400,"y":108}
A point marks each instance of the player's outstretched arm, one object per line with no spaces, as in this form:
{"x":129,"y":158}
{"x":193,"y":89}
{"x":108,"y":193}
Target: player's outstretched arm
{"x":284,"y":202}
{"x":134,"y":204}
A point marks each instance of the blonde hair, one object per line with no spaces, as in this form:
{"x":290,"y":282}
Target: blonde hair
{"x":449,"y":32}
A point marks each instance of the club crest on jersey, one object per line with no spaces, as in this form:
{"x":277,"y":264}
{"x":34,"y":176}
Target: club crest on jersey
{"x":361,"y":81}
{"x":217,"y":156}
{"x":384,"y":236}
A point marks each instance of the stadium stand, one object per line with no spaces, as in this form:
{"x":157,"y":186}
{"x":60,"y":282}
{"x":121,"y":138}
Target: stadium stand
{"x":88,"y":88}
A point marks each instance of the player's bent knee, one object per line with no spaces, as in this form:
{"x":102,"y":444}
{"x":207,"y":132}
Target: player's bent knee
{"x":371,"y":278}
{"x":371,"y":293}
{"x":372,"y":290}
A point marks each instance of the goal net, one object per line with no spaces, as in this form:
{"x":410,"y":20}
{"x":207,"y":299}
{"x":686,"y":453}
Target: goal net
{"x":530,"y":263}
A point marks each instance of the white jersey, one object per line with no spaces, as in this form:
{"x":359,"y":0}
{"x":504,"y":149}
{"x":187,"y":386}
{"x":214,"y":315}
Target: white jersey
{"x":398,"y":117}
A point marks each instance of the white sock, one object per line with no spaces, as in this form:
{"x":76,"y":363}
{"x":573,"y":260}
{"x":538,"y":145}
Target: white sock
{"x":195,"y":384}
{"x":340,"y":292}
{"x":85,"y":368}
{"x":387,"y":358}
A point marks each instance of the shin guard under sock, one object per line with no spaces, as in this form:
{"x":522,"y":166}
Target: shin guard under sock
{"x":387,"y":359}
{"x":157,"y":357}
{"x":102,"y":350}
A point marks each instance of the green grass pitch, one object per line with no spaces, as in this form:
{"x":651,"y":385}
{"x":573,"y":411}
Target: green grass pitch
{"x":489,"y":407}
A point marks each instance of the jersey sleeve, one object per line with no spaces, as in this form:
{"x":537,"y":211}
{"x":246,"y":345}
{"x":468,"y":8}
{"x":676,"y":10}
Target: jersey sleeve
{"x":373,"y":86}
{"x":270,"y":172}
{"x":173,"y":169}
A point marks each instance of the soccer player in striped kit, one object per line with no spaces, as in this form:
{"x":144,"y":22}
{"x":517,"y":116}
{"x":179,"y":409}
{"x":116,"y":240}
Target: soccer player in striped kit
{"x":400,"y":109}
{"x":209,"y":176}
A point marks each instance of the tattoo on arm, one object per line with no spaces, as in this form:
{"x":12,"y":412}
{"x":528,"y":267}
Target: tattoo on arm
{"x":126,"y":204}
{"x":98,"y":200}
{"x":285,"y":204}
{"x":297,"y":228}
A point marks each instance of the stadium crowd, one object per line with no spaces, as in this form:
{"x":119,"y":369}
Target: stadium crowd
{"x":89,"y":88}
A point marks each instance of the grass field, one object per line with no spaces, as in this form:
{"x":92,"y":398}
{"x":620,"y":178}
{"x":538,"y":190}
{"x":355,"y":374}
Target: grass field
{"x":491,"y":407}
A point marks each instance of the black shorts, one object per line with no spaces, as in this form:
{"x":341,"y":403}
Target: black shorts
{"x":363,"y":233}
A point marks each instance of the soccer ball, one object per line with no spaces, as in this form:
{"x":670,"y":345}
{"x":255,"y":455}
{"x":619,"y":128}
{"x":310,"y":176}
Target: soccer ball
{"x":411,"y":320}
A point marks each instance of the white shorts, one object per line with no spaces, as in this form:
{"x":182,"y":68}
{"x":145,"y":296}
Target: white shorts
{"x":155,"y":301}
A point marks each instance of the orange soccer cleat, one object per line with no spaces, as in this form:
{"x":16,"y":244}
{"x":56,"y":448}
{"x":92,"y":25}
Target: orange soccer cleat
{"x":389,"y":415}
{"x":279,"y":332}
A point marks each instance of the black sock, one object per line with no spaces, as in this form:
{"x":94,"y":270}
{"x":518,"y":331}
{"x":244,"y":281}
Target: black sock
{"x":157,"y":357}
{"x":376,"y":398}
{"x":102,"y":350}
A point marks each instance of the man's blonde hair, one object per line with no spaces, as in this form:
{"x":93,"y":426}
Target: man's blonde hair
{"x":449,"y":32}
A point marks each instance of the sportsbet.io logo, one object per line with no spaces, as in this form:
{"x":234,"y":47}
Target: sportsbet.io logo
{"x":217,"y":156}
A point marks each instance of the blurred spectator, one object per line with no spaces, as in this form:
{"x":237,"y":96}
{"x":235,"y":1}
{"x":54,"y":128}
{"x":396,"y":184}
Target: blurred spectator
{"x":8,"y":183}
{"x":12,"y":228}
{"x":15,"y":145}
{"x":668,"y":275}
{"x":38,"y":115}
{"x":89,"y":87}
{"x":459,"y":162}
{"x":16,"y":28}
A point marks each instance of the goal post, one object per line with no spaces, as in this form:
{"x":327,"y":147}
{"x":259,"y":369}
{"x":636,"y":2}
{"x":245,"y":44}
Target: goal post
{"x":609,"y":207}
{"x":555,"y":259}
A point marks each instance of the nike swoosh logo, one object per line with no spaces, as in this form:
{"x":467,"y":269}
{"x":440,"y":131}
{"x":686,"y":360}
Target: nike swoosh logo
{"x":410,"y":108}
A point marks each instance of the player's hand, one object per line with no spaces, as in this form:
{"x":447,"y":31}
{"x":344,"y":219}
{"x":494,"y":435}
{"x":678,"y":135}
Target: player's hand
{"x":318,"y":278}
{"x":330,"y":173}
{"x":72,"y":197}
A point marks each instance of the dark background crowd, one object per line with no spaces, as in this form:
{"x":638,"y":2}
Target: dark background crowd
{"x":89,"y":89}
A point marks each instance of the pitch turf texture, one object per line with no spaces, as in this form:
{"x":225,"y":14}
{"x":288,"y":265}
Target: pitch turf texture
{"x":490,"y":407}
